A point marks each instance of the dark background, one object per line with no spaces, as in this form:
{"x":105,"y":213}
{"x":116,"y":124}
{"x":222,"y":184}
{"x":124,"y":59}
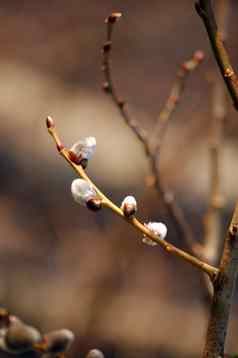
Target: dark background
{"x":61,"y":265}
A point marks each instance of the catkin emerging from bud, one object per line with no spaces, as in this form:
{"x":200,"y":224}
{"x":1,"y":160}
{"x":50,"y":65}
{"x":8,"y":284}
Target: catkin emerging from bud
{"x":82,"y":191}
{"x":129,"y":206}
{"x":159,"y":229}
{"x":83,"y":150}
{"x":21,"y":338}
{"x":95,"y":353}
{"x":58,"y":341}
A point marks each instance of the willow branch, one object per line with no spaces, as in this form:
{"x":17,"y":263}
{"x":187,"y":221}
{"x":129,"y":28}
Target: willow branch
{"x":212,"y":219}
{"x":173,"y":100}
{"x":176,"y":213}
{"x":109,"y":87}
{"x":106,"y":202}
{"x":223,"y":293}
{"x":205,"y":11}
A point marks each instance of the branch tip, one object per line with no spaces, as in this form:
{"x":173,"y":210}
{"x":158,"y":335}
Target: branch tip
{"x":50,"y":122}
{"x":199,"y":56}
{"x":111,"y":19}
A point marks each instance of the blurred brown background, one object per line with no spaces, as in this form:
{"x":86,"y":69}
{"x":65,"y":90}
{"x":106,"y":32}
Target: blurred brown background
{"x":61,"y":265}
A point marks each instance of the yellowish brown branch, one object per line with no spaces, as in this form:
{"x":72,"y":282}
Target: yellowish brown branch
{"x":208,"y":269}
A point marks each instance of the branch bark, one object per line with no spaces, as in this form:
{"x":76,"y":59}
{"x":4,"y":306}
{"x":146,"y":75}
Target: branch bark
{"x":205,"y":11}
{"x":223,"y":292}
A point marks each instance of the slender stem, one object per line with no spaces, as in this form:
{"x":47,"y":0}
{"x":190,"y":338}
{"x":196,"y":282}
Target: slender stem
{"x":109,"y":87}
{"x":173,"y":100}
{"x":106,"y":202}
{"x":213,"y":241}
{"x":205,"y":11}
{"x":223,"y":292}
{"x":152,"y":147}
{"x":175,"y":211}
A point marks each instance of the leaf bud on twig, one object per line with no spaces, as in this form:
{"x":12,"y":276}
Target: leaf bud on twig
{"x":82,"y":151}
{"x":111,"y":19}
{"x":129,"y":206}
{"x":157,"y":228}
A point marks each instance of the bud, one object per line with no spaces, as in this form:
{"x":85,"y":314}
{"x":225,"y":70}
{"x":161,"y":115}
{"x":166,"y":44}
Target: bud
{"x":198,"y":56}
{"x":95,"y":353}
{"x":158,"y":229}
{"x":94,"y":204}
{"x":20,"y":338}
{"x":113,"y":17}
{"x":58,"y":341}
{"x":129,"y":206}
{"x":82,"y":150}
{"x":82,"y":191}
{"x":50,"y":122}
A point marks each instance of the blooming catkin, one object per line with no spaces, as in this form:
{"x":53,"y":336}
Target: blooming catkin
{"x":129,"y":206}
{"x":82,"y":191}
{"x":83,"y":150}
{"x":157,"y":228}
{"x":20,"y":338}
{"x":58,"y":341}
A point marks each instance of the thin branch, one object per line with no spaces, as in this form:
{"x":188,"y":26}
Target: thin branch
{"x":223,"y":292}
{"x":109,"y":87}
{"x":205,"y":11}
{"x":106,"y":202}
{"x":213,"y":242}
{"x":176,"y":213}
{"x":173,"y":100}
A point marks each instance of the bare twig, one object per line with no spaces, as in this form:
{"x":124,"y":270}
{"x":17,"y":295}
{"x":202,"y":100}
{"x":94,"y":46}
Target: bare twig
{"x":108,"y":85}
{"x":106,"y":202}
{"x":152,"y":147}
{"x":175,"y":211}
{"x":173,"y":99}
{"x":212,"y":220}
{"x":223,"y":291}
{"x":205,"y":11}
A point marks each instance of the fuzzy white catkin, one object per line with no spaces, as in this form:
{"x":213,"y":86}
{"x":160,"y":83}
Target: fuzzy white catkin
{"x":84,"y":148}
{"x":82,"y":191}
{"x":129,"y":204}
{"x":158,"y":229}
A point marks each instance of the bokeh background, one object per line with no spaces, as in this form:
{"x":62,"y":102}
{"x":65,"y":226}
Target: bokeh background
{"x":60,"y":264}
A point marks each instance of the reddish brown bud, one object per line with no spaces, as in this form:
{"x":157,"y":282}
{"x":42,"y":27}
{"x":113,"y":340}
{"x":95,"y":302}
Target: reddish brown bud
{"x":121,"y":103}
{"x":106,"y":87}
{"x":113,"y":17}
{"x":59,"y":147}
{"x":50,"y":122}
{"x":94,"y":204}
{"x":78,"y":159}
{"x":199,"y":56}
{"x":107,"y":46}
{"x":74,"y":157}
